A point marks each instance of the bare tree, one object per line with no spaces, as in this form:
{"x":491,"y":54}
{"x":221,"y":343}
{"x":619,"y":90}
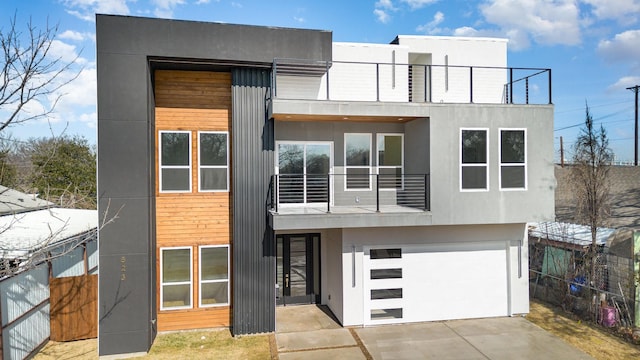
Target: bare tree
{"x":30,"y":74}
{"x":590,"y":176}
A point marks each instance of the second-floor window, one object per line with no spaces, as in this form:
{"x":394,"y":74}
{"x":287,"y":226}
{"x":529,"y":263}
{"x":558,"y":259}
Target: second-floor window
{"x":213,"y":161}
{"x":474,"y":174}
{"x":357,"y":161}
{"x":175,"y":161}
{"x":390,"y":160}
{"x":513,"y":158}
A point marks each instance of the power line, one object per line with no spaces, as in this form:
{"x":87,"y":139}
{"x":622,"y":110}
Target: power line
{"x":591,"y":107}
{"x":597,"y":120}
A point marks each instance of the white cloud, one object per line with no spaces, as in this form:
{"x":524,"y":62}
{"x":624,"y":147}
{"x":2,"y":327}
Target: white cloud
{"x":66,"y":53}
{"x":164,"y":8}
{"x":417,"y":4}
{"x":623,"y":11}
{"x":625,"y":82}
{"x":385,"y":4}
{"x":77,"y":36}
{"x":623,"y":47}
{"x":200,"y":2}
{"x":76,"y":98}
{"x":86,"y":9}
{"x":236,"y":5}
{"x":382,"y":15}
{"x":299,"y":19}
{"x":431,"y":27}
{"x":551,"y":22}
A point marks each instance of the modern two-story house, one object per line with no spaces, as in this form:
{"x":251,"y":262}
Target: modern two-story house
{"x":257,"y":167}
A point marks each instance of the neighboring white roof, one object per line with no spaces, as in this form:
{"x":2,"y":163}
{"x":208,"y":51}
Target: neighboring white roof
{"x":569,"y":233}
{"x":13,"y":201}
{"x":21,"y":234}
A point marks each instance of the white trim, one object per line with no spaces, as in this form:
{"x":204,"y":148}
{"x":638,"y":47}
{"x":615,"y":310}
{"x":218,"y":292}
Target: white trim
{"x":190,"y":282}
{"x":485,"y":165}
{"x":200,"y":167}
{"x":501,"y":164}
{"x":200,"y":281}
{"x":401,"y":167}
{"x":161,"y":167}
{"x":368,"y":167}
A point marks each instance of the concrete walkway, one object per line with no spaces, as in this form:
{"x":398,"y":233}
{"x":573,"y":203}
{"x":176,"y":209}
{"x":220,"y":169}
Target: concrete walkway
{"x":311,"y":332}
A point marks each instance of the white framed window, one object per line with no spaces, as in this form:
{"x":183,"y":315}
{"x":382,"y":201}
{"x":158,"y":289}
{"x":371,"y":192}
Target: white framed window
{"x":474,"y":159}
{"x":390,"y":160}
{"x":175,"y":161}
{"x":513,"y":159}
{"x":357,"y":161}
{"x":213,"y":161}
{"x":176,"y":273}
{"x":214,"y":275}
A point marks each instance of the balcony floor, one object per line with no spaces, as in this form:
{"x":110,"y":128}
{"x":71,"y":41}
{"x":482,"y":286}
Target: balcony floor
{"x":317,"y":217}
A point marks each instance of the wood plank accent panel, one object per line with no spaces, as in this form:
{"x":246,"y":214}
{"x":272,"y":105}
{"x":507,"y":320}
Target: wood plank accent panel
{"x":194,"y":319}
{"x":192,"y":101}
{"x":74,"y":307}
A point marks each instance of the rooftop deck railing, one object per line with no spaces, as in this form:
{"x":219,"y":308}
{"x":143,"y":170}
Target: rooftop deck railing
{"x":360,"y":81}
{"x":354,"y":190}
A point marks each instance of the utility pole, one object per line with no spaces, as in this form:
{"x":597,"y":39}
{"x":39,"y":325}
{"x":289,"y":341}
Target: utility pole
{"x":561,"y":153}
{"x":635,"y":90}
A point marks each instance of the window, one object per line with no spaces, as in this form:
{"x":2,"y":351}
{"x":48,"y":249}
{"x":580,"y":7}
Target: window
{"x":357,"y":161}
{"x":390,"y":160}
{"x":513,"y":158}
{"x":474,"y":174}
{"x":175,"y":161}
{"x":214,"y":275}
{"x":213,"y":161}
{"x":175,"y":278}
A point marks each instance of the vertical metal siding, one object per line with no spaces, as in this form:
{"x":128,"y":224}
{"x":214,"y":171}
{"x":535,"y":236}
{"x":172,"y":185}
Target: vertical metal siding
{"x":24,"y":298}
{"x":252,"y":167}
{"x":92,"y":256}
{"x":22,"y":292}
{"x":68,"y":263}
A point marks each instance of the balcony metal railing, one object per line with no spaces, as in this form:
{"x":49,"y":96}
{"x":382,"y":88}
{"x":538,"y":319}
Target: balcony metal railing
{"x":359,"y":81}
{"x":356,"y":190}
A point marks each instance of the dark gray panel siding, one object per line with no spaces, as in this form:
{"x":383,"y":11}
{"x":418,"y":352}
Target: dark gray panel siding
{"x":253,"y":245}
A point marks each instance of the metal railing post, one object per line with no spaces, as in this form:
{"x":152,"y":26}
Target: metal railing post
{"x":550,"y":98}
{"x":377,"y":192}
{"x":377,"y":82}
{"x":426,"y":69}
{"x":511,"y":85}
{"x":275,"y":192}
{"x":526,"y":91}
{"x":471,"y":84}
{"x":328,"y":193}
{"x":425,"y":192}
{"x":430,"y":82}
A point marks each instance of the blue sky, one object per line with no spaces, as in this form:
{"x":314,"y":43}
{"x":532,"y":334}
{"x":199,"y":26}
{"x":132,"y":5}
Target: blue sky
{"x":592,"y":46}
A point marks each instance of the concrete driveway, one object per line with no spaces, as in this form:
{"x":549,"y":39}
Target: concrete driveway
{"x":311,"y":332}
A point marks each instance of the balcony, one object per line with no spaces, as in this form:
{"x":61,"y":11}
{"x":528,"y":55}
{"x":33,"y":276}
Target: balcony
{"x":388,"y":82}
{"x":356,"y":199}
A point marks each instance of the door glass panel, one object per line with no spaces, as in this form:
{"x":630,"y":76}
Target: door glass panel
{"x":298,"y":268}
{"x":317,"y":166}
{"x":279,"y":268}
{"x":291,"y":169}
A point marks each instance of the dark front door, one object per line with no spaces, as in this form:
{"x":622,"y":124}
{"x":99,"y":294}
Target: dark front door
{"x":297,"y":268}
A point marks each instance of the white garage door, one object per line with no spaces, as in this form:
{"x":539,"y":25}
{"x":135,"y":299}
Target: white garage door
{"x":435,"y":282}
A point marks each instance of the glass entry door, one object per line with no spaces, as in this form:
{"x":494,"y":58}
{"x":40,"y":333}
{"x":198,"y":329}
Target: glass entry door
{"x":303,"y":170}
{"x":297,"y":269}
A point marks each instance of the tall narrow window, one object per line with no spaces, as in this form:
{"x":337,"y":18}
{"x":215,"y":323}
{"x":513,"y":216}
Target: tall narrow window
{"x":175,"y":278}
{"x":513,"y":158}
{"x":474,"y":174}
{"x":214,"y":275}
{"x":213,"y":161}
{"x":390,"y":160}
{"x":175,"y":161}
{"x":357,"y":161}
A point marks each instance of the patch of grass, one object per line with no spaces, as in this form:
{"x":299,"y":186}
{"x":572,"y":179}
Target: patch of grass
{"x":589,"y":338}
{"x":214,"y":344}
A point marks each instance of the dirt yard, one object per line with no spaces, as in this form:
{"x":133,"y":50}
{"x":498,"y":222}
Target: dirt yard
{"x":591,"y":339}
